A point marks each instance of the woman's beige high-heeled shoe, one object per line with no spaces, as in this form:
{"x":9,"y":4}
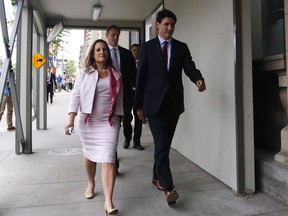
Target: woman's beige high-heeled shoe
{"x":113,"y":211}
{"x":89,"y":194}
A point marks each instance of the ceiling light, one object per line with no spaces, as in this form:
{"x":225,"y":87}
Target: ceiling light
{"x":96,"y":12}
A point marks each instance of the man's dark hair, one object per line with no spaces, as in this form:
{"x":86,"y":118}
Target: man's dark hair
{"x":165,"y":13}
{"x":112,"y":27}
{"x":133,"y":45}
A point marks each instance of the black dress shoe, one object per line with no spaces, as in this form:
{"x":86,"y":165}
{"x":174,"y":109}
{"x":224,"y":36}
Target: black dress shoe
{"x":138,"y":147}
{"x":126,"y":144}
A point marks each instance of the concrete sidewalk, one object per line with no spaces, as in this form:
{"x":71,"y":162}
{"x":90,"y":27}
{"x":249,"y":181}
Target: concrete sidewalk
{"x":52,"y":180}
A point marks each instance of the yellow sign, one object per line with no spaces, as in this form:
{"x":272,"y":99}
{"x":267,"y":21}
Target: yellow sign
{"x":38,"y":60}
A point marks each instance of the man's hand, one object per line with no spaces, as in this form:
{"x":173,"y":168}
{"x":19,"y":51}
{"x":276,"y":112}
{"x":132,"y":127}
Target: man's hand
{"x":141,"y":115}
{"x":201,"y":85}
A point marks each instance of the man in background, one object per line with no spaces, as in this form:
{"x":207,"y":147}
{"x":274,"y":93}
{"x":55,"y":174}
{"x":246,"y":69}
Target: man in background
{"x":59,"y":82}
{"x":124,"y":62}
{"x":7,"y":101}
{"x":50,"y":81}
{"x":135,"y":49}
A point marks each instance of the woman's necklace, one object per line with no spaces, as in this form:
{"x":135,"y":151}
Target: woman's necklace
{"x":102,"y":73}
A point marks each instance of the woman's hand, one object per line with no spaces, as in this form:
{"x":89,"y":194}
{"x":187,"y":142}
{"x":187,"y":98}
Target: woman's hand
{"x":70,"y":123}
{"x":66,"y":128}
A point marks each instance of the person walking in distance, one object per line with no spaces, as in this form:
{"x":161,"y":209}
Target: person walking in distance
{"x":97,"y":94}
{"x":7,"y":102}
{"x":59,"y":82}
{"x":50,"y":81}
{"x":159,"y":94}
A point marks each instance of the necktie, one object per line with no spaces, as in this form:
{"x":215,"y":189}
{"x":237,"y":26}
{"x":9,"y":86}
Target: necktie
{"x":164,"y":52}
{"x":115,"y":59}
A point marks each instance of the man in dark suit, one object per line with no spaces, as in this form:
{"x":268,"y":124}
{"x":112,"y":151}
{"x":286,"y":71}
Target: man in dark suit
{"x":124,"y":62}
{"x":50,"y":81}
{"x":159,"y":94}
{"x":135,"y":49}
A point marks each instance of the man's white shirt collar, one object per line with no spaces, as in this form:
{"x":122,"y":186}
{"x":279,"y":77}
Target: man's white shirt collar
{"x":116,"y":47}
{"x":162,"y":40}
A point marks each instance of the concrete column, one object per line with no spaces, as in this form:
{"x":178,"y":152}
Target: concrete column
{"x":40,"y":90}
{"x":24,"y":75}
{"x":35,"y":47}
{"x":41,"y":87}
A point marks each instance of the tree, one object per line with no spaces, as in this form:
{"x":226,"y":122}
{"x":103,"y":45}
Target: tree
{"x":58,"y":43}
{"x":70,"y":68}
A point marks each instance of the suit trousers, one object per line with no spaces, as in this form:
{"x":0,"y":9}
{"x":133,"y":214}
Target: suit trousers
{"x":7,"y":100}
{"x":50,"y":91}
{"x":127,"y":120}
{"x":162,"y":127}
{"x":137,"y":128}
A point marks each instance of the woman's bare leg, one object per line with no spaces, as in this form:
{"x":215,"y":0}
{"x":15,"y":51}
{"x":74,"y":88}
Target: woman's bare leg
{"x":108,"y":181}
{"x":90,"y":167}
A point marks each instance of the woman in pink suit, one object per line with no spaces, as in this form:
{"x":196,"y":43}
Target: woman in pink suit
{"x":97,"y":94}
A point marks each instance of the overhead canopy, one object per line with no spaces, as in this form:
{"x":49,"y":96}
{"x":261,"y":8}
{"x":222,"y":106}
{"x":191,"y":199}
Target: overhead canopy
{"x":79,"y":13}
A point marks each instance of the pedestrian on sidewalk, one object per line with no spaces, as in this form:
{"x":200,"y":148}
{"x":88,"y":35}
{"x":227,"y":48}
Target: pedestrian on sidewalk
{"x":7,"y":102}
{"x":59,"y":83}
{"x":51,"y":80}
{"x":98,"y":95}
{"x":159,"y":94}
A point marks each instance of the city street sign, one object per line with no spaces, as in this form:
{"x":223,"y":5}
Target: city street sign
{"x":38,"y":60}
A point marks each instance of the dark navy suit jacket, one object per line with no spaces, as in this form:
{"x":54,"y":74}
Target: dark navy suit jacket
{"x":154,"y":80}
{"x":128,"y":71}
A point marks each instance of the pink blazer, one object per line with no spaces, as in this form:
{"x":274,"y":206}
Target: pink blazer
{"x":84,"y":89}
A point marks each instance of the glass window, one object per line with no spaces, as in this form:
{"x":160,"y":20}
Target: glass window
{"x":273,"y":27}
